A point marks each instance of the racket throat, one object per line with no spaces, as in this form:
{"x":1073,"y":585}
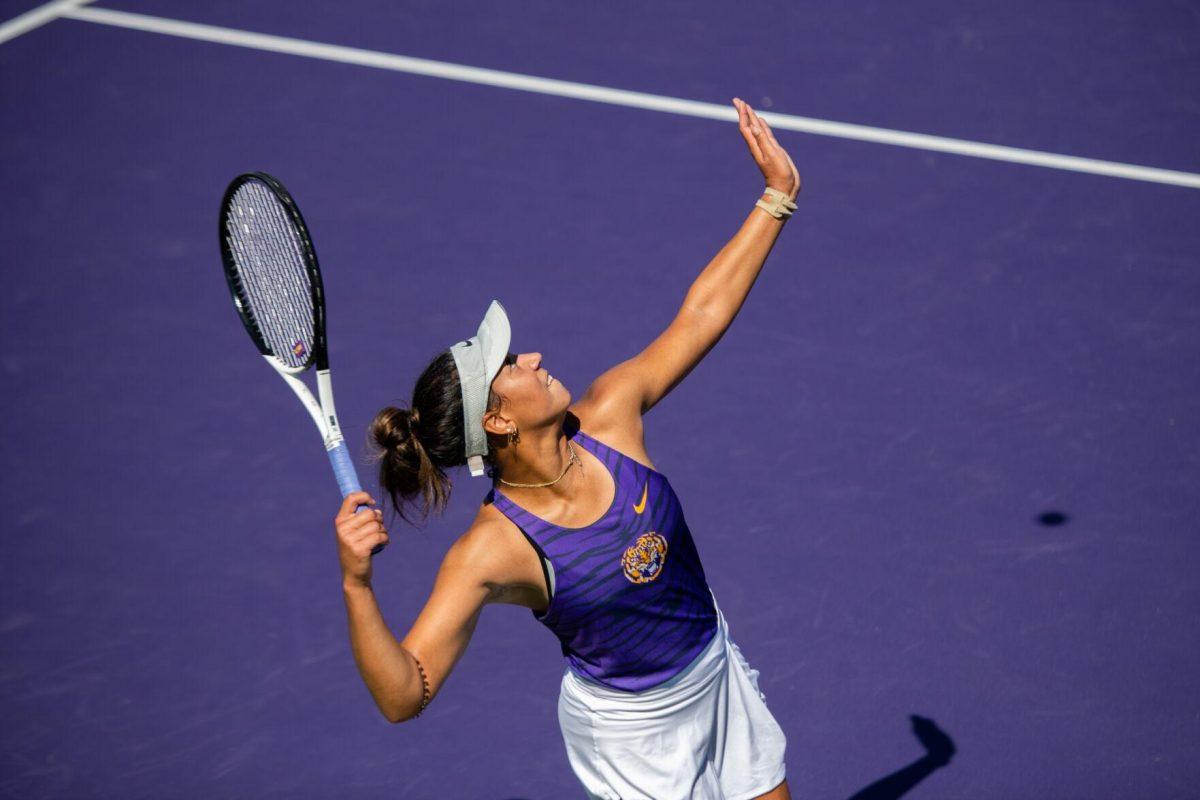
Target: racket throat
{"x":331,"y":429}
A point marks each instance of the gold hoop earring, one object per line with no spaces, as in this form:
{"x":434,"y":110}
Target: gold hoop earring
{"x":514,"y":436}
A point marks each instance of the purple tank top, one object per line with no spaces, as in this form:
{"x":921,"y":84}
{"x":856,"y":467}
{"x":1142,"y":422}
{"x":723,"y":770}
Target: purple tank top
{"x":630,"y":606}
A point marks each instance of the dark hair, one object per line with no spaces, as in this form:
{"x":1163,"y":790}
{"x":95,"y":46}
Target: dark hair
{"x":416,"y":445}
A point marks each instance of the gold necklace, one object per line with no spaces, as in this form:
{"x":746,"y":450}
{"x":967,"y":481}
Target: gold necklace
{"x":573,"y":460}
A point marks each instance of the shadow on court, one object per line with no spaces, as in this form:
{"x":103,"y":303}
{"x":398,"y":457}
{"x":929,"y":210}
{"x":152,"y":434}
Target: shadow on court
{"x":939,"y":748}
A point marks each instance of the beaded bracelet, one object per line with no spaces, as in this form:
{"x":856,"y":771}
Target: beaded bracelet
{"x":781,"y":208}
{"x":424,"y":683}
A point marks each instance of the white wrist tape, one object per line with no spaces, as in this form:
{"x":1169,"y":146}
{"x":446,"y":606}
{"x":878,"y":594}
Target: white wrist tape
{"x":781,"y":206}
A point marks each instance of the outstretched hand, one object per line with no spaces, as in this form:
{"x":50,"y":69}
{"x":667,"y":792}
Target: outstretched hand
{"x":774,"y":162}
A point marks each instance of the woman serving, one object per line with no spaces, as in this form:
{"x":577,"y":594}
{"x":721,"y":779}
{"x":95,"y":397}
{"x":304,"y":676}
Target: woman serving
{"x":656,"y":700}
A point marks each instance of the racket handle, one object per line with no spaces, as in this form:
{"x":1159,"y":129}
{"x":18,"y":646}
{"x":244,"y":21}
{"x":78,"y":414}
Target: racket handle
{"x":347,"y":478}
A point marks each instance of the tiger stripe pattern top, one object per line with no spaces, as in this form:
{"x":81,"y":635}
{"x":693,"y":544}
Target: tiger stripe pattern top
{"x":630,"y":603}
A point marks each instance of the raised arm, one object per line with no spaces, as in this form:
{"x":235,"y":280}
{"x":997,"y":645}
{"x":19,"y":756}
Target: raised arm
{"x":440,"y":635}
{"x":714,"y":298}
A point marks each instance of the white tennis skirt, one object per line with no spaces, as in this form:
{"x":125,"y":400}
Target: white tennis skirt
{"x":705,"y":734}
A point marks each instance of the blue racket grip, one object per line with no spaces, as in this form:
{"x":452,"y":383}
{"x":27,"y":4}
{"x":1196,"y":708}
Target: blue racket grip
{"x":347,"y":478}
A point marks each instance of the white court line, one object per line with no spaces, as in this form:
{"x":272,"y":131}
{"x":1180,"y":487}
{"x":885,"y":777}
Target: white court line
{"x":36,"y":18}
{"x":620,"y":97}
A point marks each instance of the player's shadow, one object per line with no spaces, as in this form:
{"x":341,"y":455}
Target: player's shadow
{"x":939,"y":748}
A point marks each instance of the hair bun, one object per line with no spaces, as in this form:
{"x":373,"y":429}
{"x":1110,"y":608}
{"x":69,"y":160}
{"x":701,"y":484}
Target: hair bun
{"x":393,"y":431}
{"x":411,"y":447}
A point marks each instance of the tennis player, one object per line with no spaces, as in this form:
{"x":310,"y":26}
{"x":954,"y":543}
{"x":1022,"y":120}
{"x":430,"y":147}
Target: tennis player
{"x":656,"y":700}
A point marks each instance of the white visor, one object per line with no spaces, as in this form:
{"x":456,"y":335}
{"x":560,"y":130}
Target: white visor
{"x":478,"y":359}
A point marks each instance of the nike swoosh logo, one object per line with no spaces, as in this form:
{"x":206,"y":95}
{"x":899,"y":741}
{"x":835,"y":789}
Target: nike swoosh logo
{"x":640,"y":507}
{"x":467,"y":343}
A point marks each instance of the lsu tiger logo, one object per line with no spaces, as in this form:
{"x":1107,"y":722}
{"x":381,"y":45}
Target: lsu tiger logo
{"x":643,"y":560}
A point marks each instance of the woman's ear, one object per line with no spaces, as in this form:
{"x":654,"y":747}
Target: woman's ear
{"x":495,"y":424}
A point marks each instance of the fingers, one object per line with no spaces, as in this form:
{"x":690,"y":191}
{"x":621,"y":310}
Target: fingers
{"x":747,"y":125}
{"x":355,"y":525}
{"x":366,"y":541}
{"x":352,"y":501}
{"x":770,"y":155}
{"x":758,"y":127}
{"x":370,"y":539}
{"x":771,"y":136}
{"x":764,"y":127}
{"x":761,"y":139}
{"x":363,"y":531}
{"x":765,"y":134}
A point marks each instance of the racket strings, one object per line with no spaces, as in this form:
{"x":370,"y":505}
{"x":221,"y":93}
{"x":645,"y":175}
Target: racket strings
{"x":272,"y":271}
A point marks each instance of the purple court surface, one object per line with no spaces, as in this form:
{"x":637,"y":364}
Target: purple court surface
{"x":945,"y":462}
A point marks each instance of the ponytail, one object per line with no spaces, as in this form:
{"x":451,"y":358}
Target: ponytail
{"x":414,"y":446}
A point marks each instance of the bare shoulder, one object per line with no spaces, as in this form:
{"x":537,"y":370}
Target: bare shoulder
{"x":502,"y":559}
{"x":610,"y":412}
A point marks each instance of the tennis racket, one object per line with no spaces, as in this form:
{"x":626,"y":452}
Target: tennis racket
{"x":273,"y":275}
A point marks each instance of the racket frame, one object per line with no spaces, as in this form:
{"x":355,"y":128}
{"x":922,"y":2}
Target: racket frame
{"x":323,"y":413}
